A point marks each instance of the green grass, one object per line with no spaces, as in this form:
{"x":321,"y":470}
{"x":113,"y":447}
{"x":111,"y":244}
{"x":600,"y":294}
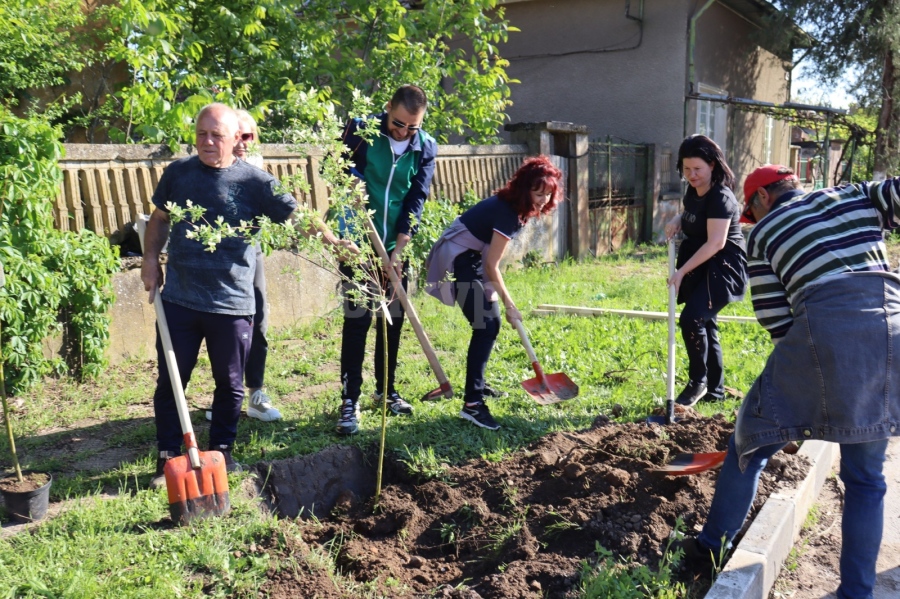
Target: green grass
{"x":614,"y":360}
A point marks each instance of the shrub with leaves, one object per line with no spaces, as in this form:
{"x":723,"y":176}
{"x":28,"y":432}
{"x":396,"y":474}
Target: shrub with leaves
{"x":55,"y":280}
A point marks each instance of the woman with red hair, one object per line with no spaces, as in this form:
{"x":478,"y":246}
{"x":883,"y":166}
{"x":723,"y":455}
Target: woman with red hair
{"x":464,"y":268}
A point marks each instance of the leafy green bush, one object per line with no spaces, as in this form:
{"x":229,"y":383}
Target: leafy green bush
{"x":55,"y":281}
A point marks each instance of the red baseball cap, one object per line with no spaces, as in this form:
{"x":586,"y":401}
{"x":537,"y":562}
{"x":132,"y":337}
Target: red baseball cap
{"x":762,"y":177}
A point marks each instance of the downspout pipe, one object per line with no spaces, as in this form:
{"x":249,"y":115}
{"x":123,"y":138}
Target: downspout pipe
{"x":692,"y":42}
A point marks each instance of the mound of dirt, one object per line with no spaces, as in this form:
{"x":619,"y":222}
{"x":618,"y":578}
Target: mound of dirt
{"x":522,"y":528}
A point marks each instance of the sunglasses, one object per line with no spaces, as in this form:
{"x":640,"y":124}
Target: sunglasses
{"x":748,"y":215}
{"x":247,"y":137}
{"x":410,"y":128}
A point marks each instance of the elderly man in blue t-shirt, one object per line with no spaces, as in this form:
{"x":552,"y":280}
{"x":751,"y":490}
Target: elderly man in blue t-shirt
{"x":207,"y":295}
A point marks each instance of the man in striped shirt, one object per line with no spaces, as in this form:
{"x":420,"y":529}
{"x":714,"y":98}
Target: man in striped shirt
{"x":821,"y":285}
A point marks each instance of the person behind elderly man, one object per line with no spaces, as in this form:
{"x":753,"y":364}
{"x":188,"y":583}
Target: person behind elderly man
{"x":207,"y":295}
{"x":822,"y":287}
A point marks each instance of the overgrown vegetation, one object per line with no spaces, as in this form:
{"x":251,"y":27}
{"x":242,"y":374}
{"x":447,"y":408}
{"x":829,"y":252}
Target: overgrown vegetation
{"x":58,"y":282}
{"x":150,"y":64}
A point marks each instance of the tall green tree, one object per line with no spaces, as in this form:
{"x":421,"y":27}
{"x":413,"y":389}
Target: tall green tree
{"x":254,"y":53}
{"x":36,"y":47}
{"x":858,"y":41}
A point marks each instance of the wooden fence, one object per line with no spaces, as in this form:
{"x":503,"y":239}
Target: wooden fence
{"x":106,"y":186}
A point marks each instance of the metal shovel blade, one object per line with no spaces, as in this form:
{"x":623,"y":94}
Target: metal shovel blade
{"x":551,"y":388}
{"x":692,"y":463}
{"x":197,"y":493}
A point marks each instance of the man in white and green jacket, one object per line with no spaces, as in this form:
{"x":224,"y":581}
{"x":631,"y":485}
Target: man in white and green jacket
{"x":397,"y":168}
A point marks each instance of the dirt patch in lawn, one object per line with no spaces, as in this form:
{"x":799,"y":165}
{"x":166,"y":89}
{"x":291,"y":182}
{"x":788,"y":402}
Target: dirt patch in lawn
{"x":522,"y":528}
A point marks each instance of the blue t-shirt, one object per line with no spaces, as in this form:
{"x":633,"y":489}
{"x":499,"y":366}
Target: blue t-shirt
{"x":220,"y":282}
{"x":492,"y":214}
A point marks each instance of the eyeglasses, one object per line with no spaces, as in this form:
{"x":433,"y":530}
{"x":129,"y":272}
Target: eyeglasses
{"x":247,"y":136}
{"x":410,"y":128}
{"x":748,"y":211}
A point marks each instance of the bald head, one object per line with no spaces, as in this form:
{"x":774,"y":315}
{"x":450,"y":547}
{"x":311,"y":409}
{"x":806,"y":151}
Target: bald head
{"x":217,"y":133}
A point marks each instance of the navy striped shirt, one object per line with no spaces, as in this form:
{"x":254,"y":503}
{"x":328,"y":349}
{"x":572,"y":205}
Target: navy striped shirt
{"x":806,"y":238}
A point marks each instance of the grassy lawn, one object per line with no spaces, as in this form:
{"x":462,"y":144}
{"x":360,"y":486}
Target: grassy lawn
{"x":82,"y":432}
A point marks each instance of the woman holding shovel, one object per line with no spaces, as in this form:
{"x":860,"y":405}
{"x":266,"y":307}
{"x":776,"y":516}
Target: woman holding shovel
{"x":711,"y":265}
{"x":464,"y":268}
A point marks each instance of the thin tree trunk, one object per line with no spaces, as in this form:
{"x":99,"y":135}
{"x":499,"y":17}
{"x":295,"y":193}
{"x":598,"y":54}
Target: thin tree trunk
{"x":885,"y":120}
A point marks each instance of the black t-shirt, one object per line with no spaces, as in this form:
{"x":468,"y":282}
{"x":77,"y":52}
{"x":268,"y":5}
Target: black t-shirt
{"x":492,"y":214}
{"x":718,"y":202}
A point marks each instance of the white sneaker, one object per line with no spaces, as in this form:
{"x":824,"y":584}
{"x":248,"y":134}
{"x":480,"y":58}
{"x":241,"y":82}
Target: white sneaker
{"x":261,"y":407}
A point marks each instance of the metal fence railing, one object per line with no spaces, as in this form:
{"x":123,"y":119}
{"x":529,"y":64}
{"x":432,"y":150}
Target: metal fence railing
{"x":617,"y":192}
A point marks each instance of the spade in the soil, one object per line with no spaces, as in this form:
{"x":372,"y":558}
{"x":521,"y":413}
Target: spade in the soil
{"x":545,"y":388}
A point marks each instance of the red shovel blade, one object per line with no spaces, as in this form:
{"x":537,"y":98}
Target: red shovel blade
{"x":692,"y":463}
{"x":551,"y":388}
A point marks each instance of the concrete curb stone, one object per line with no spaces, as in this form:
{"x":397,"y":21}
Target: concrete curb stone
{"x":757,"y":560}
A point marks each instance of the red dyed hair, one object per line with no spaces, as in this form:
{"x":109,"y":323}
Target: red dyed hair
{"x":534,"y":174}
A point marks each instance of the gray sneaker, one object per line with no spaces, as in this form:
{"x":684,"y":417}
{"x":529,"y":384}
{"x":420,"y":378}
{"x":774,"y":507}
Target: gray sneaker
{"x":260,"y":407}
{"x":396,"y":404}
{"x":348,"y":424}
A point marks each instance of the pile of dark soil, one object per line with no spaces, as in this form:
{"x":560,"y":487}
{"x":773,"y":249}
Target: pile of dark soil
{"x":522,"y":528}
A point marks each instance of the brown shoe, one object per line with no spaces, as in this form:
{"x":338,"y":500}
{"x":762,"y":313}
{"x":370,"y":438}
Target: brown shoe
{"x":230,"y":464}
{"x":159,"y":478}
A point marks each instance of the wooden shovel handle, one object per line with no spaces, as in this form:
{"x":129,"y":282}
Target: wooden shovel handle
{"x":410,"y":309}
{"x":528,"y":349}
{"x":162,"y":324}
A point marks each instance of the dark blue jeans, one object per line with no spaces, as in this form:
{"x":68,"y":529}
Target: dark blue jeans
{"x":355,"y":330}
{"x":259,"y":347}
{"x":483,"y":316}
{"x":862,"y":521}
{"x":227,"y":343}
{"x":700,"y":332}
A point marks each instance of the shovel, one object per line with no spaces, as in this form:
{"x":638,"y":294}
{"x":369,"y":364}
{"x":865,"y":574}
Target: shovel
{"x":197,"y":483}
{"x":692,"y":463}
{"x":546,"y":389}
{"x":669,"y":416}
{"x":445,"y":389}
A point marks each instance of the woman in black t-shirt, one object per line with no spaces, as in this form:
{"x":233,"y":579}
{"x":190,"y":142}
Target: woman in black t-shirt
{"x":712,"y":262}
{"x":464,"y":268}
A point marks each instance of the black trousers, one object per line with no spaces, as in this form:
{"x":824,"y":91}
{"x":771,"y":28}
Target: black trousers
{"x":700,"y":332}
{"x":484,"y":317}
{"x":227,"y":343}
{"x":355,"y":330}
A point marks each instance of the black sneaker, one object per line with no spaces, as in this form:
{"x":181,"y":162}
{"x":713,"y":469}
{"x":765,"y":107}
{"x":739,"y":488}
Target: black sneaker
{"x":494,"y":393}
{"x":396,"y":404}
{"x":230,"y":464}
{"x":697,"y":558}
{"x":691,"y":394}
{"x":480,"y":416}
{"x":348,"y":423}
{"x":159,"y":477}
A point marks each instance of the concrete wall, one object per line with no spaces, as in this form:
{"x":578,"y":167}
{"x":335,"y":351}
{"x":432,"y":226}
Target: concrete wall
{"x":583,"y":61}
{"x":298,"y":292}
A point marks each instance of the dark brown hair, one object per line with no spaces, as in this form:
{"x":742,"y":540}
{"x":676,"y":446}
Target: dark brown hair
{"x":702,"y":147}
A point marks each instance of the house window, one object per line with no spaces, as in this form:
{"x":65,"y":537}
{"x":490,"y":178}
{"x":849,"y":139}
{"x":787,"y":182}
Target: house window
{"x":769,"y":141}
{"x":711,"y":116}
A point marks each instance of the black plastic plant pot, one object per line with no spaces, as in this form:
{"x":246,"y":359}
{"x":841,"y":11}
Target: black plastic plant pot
{"x":27,"y":506}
